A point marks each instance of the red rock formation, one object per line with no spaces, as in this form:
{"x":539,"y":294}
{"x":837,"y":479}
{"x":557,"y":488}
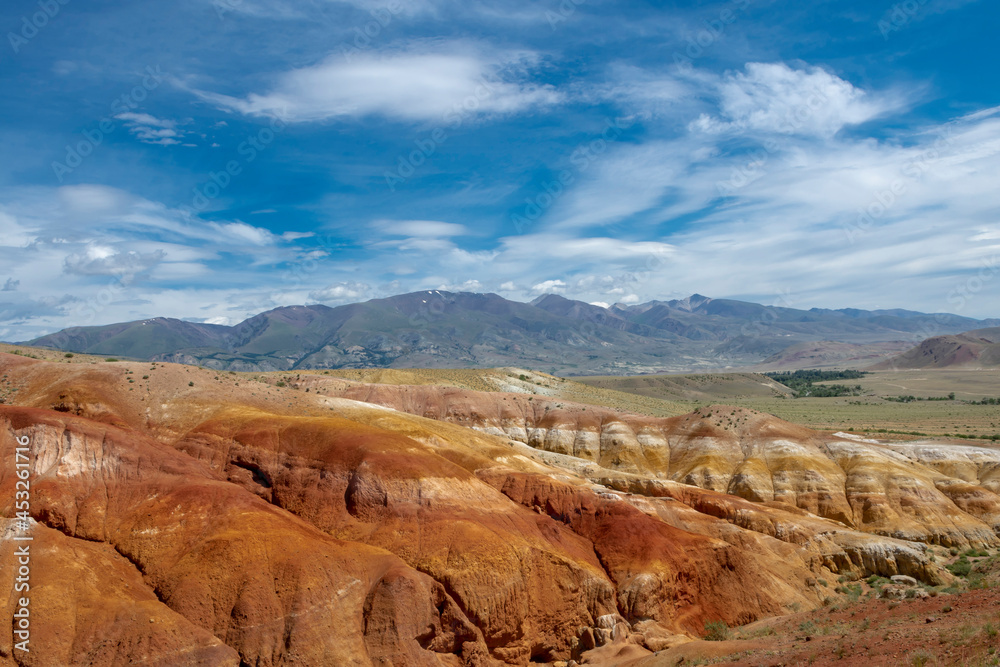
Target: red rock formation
{"x":275,"y":527}
{"x":863,"y":485}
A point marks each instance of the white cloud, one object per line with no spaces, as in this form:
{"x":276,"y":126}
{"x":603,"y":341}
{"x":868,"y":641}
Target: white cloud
{"x":124,"y":258}
{"x":341,"y":292}
{"x":150,"y":129}
{"x":449,"y":84}
{"x":93,"y":200}
{"x":467,"y":286}
{"x":103,"y":260}
{"x":241,"y":231}
{"x":564,"y":247}
{"x":775,"y":98}
{"x":549,"y":287}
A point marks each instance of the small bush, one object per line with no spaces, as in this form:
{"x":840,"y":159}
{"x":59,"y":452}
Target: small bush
{"x":68,"y":355}
{"x":279,"y":383}
{"x":190,"y":384}
{"x":716,"y":631}
{"x":110,"y":359}
{"x":960,"y":568}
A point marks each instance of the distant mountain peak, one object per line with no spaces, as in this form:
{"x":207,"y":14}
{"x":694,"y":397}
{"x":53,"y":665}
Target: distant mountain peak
{"x":691,"y":303}
{"x":548,"y":298}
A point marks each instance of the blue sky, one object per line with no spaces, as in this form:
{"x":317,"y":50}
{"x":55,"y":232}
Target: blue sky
{"x":210,"y":159}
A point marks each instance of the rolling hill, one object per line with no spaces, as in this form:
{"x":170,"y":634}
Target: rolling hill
{"x":973,"y":349}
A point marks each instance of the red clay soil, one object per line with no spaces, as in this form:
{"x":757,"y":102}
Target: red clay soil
{"x":962,"y":630}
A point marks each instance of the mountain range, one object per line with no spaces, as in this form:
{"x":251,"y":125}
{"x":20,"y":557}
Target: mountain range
{"x":440,"y":329}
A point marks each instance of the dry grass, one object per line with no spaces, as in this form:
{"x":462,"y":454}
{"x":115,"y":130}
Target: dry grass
{"x":865,"y":413}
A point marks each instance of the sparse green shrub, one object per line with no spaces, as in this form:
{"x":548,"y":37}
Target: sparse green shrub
{"x":68,"y":355}
{"x":110,"y":359}
{"x":191,"y":384}
{"x":716,"y":631}
{"x":960,"y":568}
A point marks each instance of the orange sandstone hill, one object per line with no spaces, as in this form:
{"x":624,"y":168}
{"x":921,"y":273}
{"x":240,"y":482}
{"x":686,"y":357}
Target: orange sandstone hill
{"x":183,"y":516}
